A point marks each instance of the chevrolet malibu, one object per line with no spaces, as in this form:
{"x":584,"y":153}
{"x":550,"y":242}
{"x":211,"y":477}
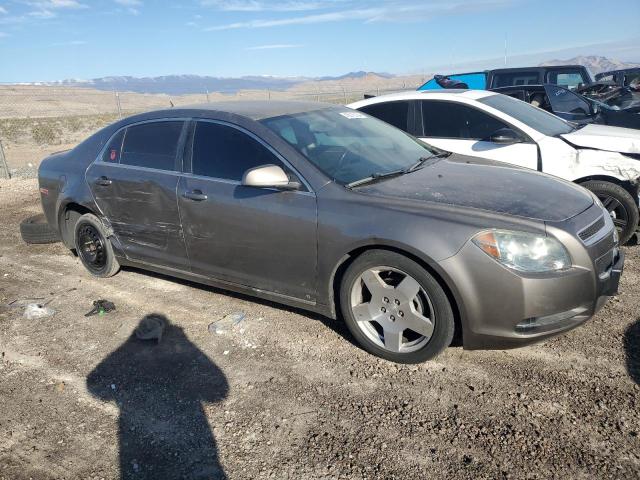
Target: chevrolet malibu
{"x":330,"y":210}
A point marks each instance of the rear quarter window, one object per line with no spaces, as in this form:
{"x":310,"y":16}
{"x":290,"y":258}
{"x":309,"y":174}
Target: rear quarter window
{"x":114,"y":148}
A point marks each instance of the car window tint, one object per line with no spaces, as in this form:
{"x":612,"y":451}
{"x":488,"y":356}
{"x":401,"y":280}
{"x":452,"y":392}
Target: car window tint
{"x":454,"y":120}
{"x":515,"y":78}
{"x":114,"y":148}
{"x":566,"y":78}
{"x":565,"y":101}
{"x":152,"y":145}
{"x":221,"y":151}
{"x":394,"y":113}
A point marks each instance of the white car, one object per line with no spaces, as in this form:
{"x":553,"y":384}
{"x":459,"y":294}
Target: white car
{"x":477,"y":123}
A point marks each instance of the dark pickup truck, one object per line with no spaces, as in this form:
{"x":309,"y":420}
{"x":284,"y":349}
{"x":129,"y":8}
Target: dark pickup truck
{"x":569,"y":76}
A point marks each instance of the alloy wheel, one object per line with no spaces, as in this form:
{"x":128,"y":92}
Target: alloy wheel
{"x":618,"y":213}
{"x":392,"y":309}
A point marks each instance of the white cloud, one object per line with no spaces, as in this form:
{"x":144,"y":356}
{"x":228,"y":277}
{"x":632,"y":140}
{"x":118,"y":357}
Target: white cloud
{"x":69,"y":44}
{"x":395,"y":11}
{"x":3,"y":11}
{"x":57,"y":4}
{"x":274,"y":47}
{"x":262,"y":6}
{"x":129,"y":3}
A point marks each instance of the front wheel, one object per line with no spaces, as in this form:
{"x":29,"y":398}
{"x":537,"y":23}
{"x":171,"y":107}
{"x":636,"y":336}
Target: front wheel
{"x":395,"y":308}
{"x":621,"y":206}
{"x":94,"y":248}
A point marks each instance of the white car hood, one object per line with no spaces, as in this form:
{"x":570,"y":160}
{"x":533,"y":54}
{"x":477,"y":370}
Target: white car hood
{"x":604,"y":137}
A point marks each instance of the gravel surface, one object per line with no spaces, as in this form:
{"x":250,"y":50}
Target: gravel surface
{"x":285,"y":394}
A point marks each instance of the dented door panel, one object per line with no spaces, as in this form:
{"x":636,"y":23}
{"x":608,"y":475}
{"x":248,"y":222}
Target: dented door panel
{"x":140,"y":204}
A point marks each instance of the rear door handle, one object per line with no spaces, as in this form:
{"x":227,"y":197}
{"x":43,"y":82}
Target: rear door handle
{"x":104,"y":181}
{"x":195,"y":195}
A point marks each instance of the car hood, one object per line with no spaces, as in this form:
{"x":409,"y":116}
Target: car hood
{"x":605,"y":137}
{"x":469,"y":182}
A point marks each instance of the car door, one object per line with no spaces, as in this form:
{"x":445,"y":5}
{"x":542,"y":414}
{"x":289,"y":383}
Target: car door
{"x":463,"y":129}
{"x":567,"y":104}
{"x":134,"y":185}
{"x":257,"y":237}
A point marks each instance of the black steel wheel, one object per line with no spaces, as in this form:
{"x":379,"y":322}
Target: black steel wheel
{"x":93,"y":247}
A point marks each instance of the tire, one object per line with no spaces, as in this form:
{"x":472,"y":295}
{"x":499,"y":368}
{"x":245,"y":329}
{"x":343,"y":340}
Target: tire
{"x":94,"y":248}
{"x":620,"y":204}
{"x":395,"y":307}
{"x":35,"y":229}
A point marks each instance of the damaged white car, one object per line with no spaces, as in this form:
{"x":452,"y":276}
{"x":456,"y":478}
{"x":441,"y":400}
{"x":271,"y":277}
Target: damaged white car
{"x":477,"y":123}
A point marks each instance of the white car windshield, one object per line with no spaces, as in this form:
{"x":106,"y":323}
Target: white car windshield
{"x":536,"y":118}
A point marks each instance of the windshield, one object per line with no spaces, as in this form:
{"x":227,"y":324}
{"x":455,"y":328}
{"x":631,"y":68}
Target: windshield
{"x":347,"y":145}
{"x":534,"y":117}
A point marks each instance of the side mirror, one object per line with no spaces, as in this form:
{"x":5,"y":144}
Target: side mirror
{"x":595,"y":109}
{"x":268,"y":176}
{"x":505,"y":136}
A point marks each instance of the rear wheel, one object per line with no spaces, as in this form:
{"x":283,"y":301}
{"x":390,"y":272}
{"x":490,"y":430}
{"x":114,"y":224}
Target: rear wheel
{"x":395,"y":309}
{"x":621,"y":206}
{"x":94,"y":248}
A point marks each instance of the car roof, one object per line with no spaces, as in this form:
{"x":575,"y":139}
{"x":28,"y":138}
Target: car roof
{"x":444,"y":94}
{"x":252,"y":109}
{"x":539,"y":67}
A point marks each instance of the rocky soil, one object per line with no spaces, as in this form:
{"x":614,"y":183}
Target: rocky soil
{"x":285,"y":394}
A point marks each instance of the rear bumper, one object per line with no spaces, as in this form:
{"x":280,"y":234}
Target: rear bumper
{"x":506,"y":309}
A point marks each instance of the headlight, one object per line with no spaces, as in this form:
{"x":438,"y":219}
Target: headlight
{"x":525,"y":252}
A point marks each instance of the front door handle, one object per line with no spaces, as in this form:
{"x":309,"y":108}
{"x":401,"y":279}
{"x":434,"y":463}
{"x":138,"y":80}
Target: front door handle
{"x":104,"y":181}
{"x":195,"y":195}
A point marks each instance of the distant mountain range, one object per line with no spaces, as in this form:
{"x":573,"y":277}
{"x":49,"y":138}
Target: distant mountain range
{"x":594,"y":63}
{"x":184,"y":84}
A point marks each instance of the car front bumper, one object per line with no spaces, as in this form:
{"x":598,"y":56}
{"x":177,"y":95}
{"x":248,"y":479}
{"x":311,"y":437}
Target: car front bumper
{"x":502,"y":308}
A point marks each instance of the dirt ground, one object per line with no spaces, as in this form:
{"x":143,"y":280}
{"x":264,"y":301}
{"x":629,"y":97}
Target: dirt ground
{"x":285,"y":394}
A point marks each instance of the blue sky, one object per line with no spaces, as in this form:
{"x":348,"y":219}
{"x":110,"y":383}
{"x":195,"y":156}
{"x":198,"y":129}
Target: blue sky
{"x":58,"y":39}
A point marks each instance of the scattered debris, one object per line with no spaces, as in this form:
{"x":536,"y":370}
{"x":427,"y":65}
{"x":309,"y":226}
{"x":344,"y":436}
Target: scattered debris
{"x":37,"y":310}
{"x":151,"y":327}
{"x":226,"y":323}
{"x":226,"y":352}
{"x":59,"y":387}
{"x":100,"y":307}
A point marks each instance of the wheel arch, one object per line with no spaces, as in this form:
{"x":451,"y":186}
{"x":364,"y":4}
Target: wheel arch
{"x":628,"y":185}
{"x":67,"y":216}
{"x":428,"y":264}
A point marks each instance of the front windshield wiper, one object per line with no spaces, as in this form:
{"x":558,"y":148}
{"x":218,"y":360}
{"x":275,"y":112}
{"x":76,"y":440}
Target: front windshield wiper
{"x":374,"y":177}
{"x":423,"y":161}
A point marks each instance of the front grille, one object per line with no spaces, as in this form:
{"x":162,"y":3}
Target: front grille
{"x":592,"y":229}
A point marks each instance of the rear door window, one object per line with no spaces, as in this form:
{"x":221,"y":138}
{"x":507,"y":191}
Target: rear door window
{"x":224,"y":152}
{"x":394,"y":113}
{"x":152,"y":145}
{"x":454,"y":120}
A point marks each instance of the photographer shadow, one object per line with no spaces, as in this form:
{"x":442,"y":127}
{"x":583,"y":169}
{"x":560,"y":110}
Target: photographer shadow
{"x":159,"y":388}
{"x":632,"y":350}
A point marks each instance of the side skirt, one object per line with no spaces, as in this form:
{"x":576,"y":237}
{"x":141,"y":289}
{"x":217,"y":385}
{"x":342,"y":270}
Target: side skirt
{"x":234,"y":287}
